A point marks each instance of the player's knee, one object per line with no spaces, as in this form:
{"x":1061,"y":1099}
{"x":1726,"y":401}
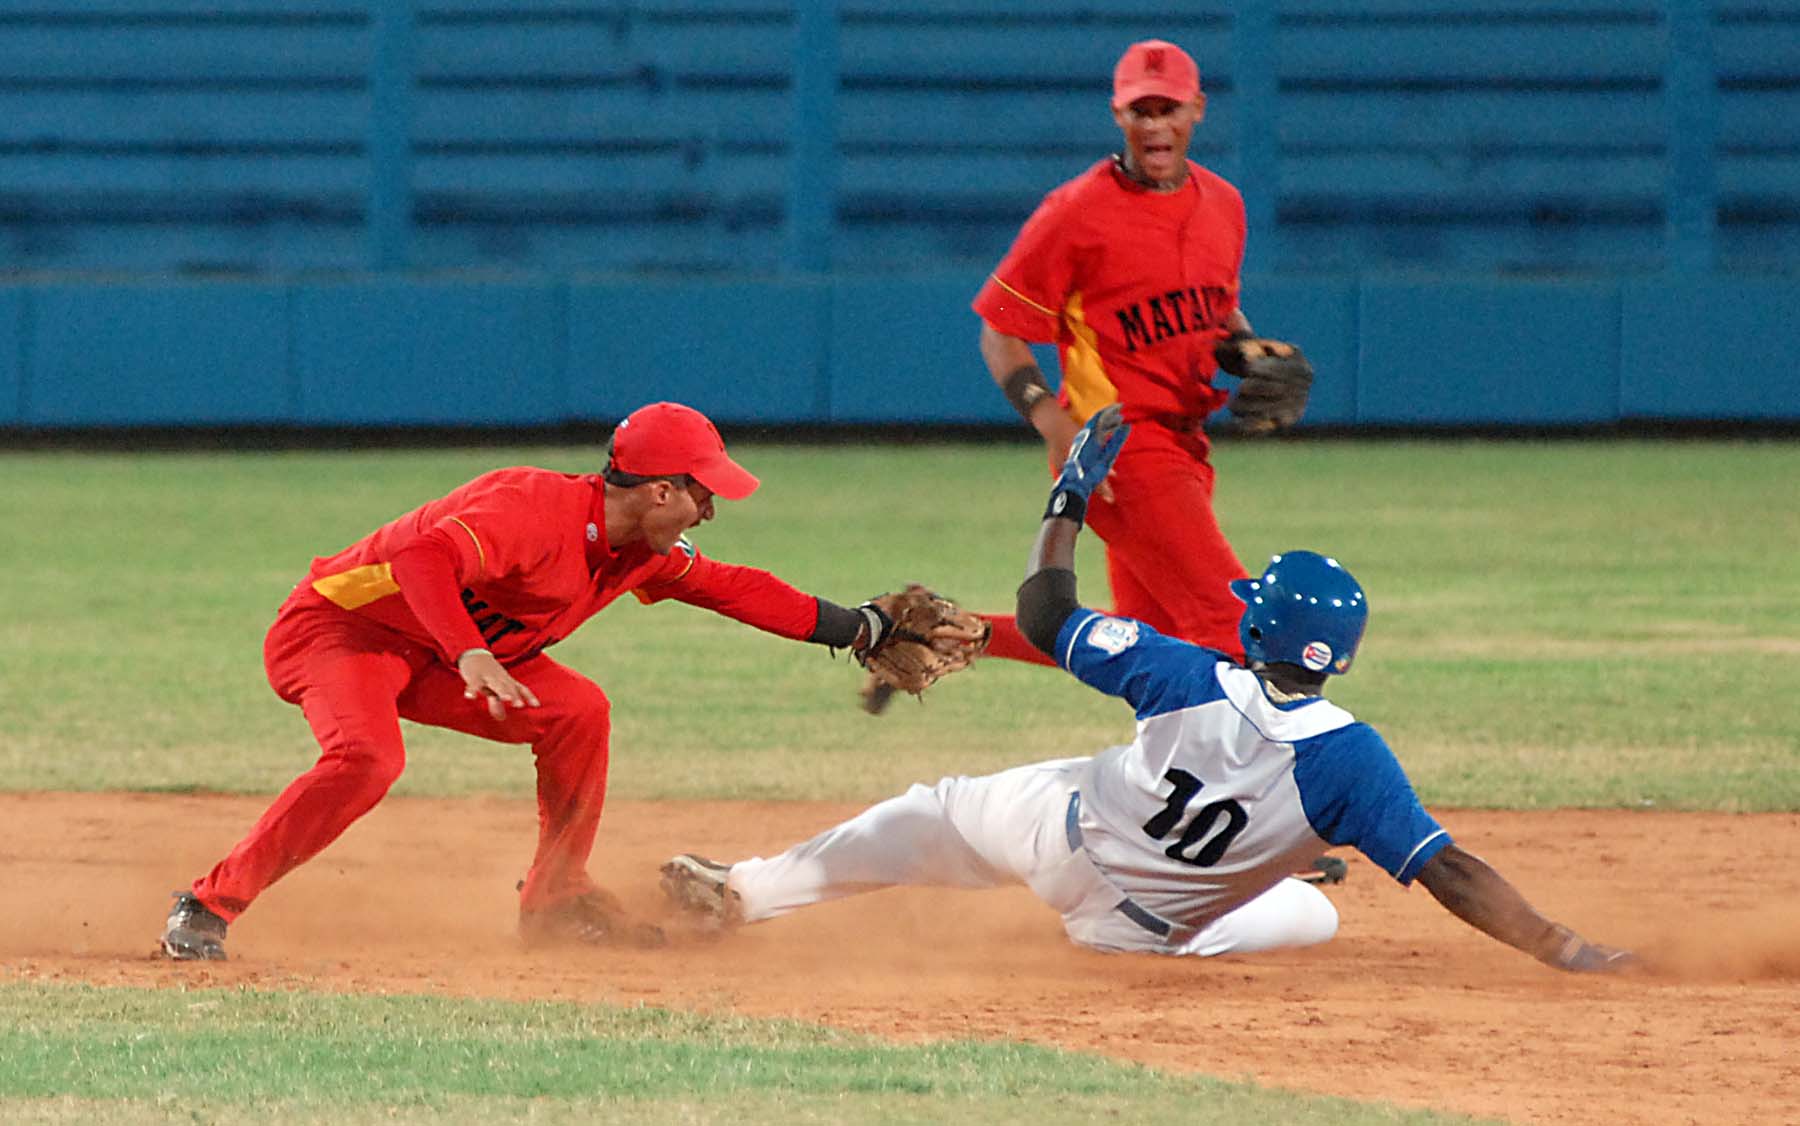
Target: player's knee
{"x":385,"y":768}
{"x":1292,"y":913}
{"x":370,"y":771}
{"x":588,"y":706}
{"x":592,"y":713}
{"x":1315,"y":917}
{"x":581,"y":713}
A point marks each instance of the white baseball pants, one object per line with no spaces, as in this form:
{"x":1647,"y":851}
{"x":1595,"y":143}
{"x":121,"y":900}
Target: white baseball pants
{"x":1009,"y":828}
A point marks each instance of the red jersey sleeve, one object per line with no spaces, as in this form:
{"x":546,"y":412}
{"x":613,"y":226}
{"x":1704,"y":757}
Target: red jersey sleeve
{"x":426,"y":572}
{"x":746,"y":594}
{"x":1024,"y":295}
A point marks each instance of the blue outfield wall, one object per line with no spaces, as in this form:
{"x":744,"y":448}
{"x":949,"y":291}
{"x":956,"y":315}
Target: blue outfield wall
{"x":397,"y":353}
{"x":1670,"y":368}
{"x":12,"y":355}
{"x":1444,"y":353}
{"x":907,"y":346}
{"x":393,"y":352}
{"x":743,"y":351}
{"x":157,"y":355}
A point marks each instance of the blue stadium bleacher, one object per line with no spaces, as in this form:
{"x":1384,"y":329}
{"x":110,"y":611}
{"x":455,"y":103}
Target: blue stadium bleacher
{"x":298,"y":144}
{"x":173,"y":135}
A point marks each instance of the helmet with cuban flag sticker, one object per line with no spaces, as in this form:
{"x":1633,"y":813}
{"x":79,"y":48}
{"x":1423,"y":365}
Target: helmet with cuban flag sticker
{"x":1304,"y":609}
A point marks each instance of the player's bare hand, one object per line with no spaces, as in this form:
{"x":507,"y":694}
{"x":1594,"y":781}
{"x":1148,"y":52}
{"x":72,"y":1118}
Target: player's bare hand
{"x":484,"y":677}
{"x":1059,"y":431}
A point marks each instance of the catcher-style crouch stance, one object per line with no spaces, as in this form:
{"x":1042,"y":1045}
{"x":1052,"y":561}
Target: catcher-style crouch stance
{"x":1180,"y":841}
{"x":443,"y":617}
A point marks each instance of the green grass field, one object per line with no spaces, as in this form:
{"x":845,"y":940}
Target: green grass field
{"x":1554,"y":624}
{"x":125,"y":1057}
{"x":1558,"y":624}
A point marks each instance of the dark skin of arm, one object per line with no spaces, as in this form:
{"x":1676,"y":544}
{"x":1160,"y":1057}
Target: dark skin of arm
{"x":1055,"y":546}
{"x":1471,"y":890}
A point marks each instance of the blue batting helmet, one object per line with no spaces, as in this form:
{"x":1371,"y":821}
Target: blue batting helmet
{"x":1304,"y":609}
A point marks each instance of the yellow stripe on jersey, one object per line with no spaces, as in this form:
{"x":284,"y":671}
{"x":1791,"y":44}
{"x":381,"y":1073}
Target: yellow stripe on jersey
{"x":1047,"y":312}
{"x":358,"y":586}
{"x":480,"y":555}
{"x":1084,"y":372}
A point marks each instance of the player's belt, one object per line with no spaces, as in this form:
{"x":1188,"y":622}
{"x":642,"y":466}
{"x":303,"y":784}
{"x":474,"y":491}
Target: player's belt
{"x":1155,"y":924}
{"x":1180,"y":423}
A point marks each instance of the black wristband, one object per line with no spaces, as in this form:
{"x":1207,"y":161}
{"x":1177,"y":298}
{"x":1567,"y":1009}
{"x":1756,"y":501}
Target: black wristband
{"x":838,"y":626}
{"x":1024,"y":386}
{"x":1068,"y":505}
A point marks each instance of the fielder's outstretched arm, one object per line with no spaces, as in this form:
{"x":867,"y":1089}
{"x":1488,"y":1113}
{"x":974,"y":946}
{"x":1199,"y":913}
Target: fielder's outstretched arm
{"x":1470,"y":889}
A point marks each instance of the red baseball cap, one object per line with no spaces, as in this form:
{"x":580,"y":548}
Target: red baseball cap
{"x":664,"y":439}
{"x":1154,"y":68}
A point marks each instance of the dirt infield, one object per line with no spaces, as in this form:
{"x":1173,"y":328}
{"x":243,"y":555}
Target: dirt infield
{"x":1406,"y":1005}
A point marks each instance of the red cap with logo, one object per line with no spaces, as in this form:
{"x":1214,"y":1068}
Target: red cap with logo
{"x":1154,"y":68}
{"x":664,"y":439}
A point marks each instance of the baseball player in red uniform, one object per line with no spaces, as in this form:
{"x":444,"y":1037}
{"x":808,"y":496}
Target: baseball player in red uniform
{"x":1131,"y":269}
{"x":443,"y":617}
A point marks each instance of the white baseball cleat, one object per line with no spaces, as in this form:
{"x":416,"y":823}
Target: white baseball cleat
{"x":697,"y":886}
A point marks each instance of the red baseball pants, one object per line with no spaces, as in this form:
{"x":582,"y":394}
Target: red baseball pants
{"x":1166,"y":558}
{"x":355,"y":681}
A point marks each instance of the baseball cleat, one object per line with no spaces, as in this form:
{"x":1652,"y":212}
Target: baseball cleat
{"x":876,"y":695}
{"x":594,"y":918}
{"x":1325,"y":870}
{"x":697,"y":886}
{"x":193,"y":933}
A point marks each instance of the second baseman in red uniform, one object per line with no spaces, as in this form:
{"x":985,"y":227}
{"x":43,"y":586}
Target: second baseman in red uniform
{"x":1131,"y":269}
{"x":443,"y":617}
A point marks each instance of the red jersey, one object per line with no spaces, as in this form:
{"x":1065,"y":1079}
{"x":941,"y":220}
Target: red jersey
{"x":533,"y":564}
{"x":1133,"y":286}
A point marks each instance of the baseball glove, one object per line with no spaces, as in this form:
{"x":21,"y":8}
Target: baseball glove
{"x":919,"y":637}
{"x":1276,"y":380}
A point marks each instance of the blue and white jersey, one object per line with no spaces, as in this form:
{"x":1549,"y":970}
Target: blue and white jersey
{"x":1224,"y":791}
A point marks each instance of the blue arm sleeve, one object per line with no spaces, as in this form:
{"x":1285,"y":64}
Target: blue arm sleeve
{"x":1124,"y":657}
{"x":1355,"y":793}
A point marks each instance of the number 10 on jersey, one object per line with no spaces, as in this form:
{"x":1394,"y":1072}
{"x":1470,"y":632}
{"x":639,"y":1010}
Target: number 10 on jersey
{"x":1188,"y":848}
